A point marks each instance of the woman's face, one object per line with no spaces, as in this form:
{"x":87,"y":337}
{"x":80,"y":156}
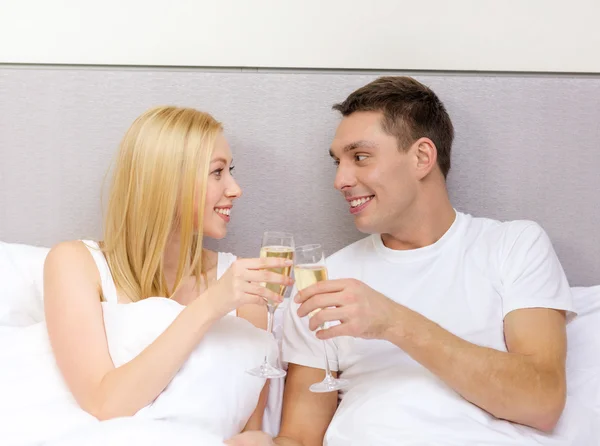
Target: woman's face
{"x":221,"y":191}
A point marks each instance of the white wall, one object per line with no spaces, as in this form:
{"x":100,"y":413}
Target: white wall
{"x":491,"y":35}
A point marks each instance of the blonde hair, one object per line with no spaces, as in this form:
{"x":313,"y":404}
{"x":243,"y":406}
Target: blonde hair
{"x":162,"y":158}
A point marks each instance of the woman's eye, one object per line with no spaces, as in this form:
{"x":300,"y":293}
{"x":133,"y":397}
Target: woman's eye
{"x":231,"y":169}
{"x":218,"y":172}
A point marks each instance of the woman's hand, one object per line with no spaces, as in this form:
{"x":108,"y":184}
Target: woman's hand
{"x":251,"y":438}
{"x":242,"y":283}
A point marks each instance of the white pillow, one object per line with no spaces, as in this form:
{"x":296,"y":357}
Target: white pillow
{"x":212,"y":388}
{"x":21,"y":284}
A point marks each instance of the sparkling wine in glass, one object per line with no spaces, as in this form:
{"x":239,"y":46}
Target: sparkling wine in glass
{"x":309,"y":269}
{"x":274,"y":244}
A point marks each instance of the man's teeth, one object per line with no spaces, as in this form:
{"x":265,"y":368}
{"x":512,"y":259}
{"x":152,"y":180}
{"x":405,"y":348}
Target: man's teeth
{"x":223,"y":211}
{"x":355,"y":203}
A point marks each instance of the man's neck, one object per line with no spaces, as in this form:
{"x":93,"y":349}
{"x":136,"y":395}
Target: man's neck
{"x":424,"y":226}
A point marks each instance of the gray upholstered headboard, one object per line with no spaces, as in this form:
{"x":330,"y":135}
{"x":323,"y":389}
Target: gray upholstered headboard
{"x":527,"y":147}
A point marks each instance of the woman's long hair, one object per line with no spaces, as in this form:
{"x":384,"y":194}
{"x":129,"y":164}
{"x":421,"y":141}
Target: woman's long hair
{"x":159,"y":181}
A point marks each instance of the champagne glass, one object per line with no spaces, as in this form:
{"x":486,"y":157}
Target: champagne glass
{"x":274,"y":244}
{"x":309,"y":269}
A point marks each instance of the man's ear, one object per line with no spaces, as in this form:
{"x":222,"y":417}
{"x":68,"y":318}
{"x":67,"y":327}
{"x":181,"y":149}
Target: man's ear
{"x":425,"y":157}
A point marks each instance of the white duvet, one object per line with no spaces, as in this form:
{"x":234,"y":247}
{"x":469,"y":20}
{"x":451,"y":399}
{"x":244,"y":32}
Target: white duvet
{"x":209,"y":400}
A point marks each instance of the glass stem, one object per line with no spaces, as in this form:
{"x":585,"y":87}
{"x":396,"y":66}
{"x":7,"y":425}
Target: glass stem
{"x":327,"y":370}
{"x":270,"y":317}
{"x":270,"y":314}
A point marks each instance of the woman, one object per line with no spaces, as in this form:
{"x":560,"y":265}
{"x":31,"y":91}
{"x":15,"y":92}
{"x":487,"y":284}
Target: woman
{"x":172,"y":185}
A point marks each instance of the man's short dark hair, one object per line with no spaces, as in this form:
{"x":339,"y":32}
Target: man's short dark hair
{"x":410,"y":111}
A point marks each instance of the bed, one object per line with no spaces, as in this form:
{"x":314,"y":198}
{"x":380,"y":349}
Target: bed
{"x":526,"y":147}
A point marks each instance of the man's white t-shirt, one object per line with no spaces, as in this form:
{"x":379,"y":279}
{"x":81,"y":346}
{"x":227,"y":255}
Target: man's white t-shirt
{"x":466,"y":282}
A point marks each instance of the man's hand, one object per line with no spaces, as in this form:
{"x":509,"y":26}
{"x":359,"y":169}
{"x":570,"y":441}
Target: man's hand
{"x":362,"y":311}
{"x":251,"y":438}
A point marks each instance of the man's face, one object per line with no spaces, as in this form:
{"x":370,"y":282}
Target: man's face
{"x":376,"y":178}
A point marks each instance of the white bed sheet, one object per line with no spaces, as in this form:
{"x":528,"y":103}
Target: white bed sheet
{"x":26,"y":420}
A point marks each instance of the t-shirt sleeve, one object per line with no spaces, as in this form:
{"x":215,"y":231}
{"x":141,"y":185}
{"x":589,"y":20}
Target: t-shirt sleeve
{"x":300,"y":345}
{"x":531,"y":274}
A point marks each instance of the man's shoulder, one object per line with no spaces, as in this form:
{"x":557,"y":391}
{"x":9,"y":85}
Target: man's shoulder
{"x":501,"y":236}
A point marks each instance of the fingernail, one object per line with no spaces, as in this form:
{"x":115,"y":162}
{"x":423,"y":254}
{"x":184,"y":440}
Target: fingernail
{"x":296,"y":298}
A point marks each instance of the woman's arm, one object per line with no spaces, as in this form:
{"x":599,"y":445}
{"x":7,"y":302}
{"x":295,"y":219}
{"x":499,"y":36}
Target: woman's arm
{"x":76,"y":330}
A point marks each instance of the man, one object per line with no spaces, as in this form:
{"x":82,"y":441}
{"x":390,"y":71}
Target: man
{"x":449,"y":328}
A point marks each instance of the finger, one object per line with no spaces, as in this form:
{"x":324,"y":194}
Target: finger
{"x":333,"y":332}
{"x":325,"y":286}
{"x":320,"y":301}
{"x":326,"y":315}
{"x":265,"y":276}
{"x":262,"y":292}
{"x":255,"y":299}
{"x":266,"y":263}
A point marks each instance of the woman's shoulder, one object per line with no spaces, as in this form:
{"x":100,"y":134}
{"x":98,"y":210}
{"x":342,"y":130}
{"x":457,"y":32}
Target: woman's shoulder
{"x":226,"y":258}
{"x":73,"y":250}
{"x":73,"y":261}
{"x":219,"y":260}
{"x":224,"y":261}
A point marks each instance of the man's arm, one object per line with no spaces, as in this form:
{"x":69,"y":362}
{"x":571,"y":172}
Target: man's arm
{"x":306,"y":415}
{"x":525,"y":385}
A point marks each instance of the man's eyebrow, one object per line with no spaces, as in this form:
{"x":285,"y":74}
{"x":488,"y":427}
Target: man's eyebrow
{"x":355,"y":145}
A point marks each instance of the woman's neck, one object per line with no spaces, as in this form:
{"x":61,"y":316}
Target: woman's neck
{"x":171,"y":259}
{"x":171,"y":254}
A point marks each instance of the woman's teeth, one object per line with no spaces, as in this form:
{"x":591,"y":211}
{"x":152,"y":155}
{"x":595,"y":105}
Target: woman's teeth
{"x":223,"y":211}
